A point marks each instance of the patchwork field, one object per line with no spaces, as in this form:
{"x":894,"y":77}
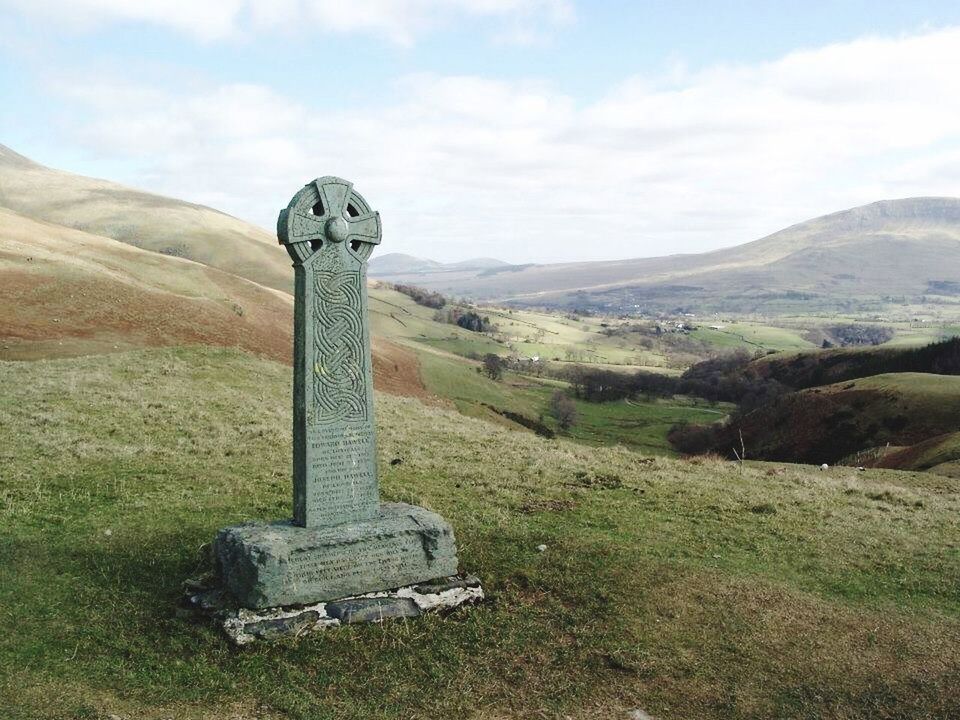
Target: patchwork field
{"x":642,"y":425}
{"x":688,"y":589}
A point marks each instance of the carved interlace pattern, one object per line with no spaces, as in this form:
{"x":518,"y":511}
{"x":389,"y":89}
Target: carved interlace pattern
{"x":339,"y":388}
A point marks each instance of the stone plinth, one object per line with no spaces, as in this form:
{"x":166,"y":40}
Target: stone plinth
{"x":267,"y":565}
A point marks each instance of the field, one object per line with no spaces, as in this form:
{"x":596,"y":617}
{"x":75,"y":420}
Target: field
{"x":751,"y":336}
{"x":689,"y":589}
{"x":642,"y":425}
{"x":552,"y":337}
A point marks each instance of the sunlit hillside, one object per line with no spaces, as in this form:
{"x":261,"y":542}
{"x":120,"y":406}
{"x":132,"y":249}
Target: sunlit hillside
{"x":689,"y":589}
{"x":153,"y":222}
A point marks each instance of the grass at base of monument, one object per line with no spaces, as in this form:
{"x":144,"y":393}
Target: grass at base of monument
{"x":689,"y":589}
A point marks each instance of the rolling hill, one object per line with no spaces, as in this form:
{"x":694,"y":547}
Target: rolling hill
{"x":892,"y":249}
{"x":824,"y":367}
{"x":888,"y":249}
{"x":67,"y":292}
{"x":693,"y":588}
{"x":152,"y":222}
{"x":833,"y":423}
{"x":939,"y":455}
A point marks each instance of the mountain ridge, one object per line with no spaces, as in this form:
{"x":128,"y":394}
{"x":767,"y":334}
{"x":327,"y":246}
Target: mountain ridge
{"x":395,"y":263}
{"x":885,"y":247}
{"x":857,"y":257}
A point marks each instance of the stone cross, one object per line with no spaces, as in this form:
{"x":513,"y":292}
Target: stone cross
{"x":342,"y":541}
{"x":329,"y":231}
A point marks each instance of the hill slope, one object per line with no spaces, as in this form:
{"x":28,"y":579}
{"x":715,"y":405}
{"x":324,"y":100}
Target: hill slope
{"x":66,"y":292}
{"x":825,"y":367}
{"x":893,"y":247}
{"x":833,"y":422}
{"x":691,"y":590}
{"x":148,"y":221}
{"x":940,"y":455}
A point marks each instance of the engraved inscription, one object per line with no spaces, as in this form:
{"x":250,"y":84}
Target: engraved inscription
{"x":349,"y":562}
{"x":329,"y":231}
{"x":343,"y":461}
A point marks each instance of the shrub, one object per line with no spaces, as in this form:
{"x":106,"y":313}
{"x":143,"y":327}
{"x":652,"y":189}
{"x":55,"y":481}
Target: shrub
{"x":563,"y":410}
{"x":422,"y":297}
{"x":493,"y":366}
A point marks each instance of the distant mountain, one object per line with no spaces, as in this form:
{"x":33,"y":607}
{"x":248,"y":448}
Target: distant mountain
{"x":152,"y":222}
{"x":399,"y":263}
{"x":482,"y":263}
{"x":892,"y":249}
{"x":397,"y":266}
{"x":898,"y":251}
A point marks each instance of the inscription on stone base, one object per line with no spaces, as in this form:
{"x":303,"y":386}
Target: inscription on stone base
{"x":282,"y":564}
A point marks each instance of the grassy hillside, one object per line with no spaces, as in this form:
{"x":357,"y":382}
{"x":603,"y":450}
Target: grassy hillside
{"x":823,"y":367}
{"x":442,"y":355}
{"x":686,"y":589}
{"x":153,"y":222}
{"x":829,"y":423}
{"x":752,"y":336}
{"x":639,"y":425}
{"x":940,"y":455}
{"x":552,"y":337}
{"x":64,"y":292}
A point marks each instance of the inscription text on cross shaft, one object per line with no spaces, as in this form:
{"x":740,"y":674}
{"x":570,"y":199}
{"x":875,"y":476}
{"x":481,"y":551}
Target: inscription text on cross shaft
{"x":330,"y":232}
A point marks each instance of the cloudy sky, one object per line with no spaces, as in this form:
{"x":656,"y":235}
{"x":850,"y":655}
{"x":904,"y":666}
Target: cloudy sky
{"x":529,"y":130}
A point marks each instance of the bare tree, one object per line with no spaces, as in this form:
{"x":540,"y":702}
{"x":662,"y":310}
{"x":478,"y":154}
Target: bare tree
{"x":563,"y":410}
{"x":493,"y":366}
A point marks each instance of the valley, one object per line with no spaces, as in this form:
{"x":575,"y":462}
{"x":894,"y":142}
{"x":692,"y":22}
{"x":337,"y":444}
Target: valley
{"x":145,"y":349}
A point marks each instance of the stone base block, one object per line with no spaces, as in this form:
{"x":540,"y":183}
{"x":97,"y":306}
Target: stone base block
{"x":269,"y":565}
{"x":244,"y":626}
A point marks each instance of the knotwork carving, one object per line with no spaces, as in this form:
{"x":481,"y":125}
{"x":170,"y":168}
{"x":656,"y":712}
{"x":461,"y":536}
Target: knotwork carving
{"x":330,"y":231}
{"x":339,"y":390}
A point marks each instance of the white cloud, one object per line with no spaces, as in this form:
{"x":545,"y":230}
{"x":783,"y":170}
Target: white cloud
{"x":467,"y":166}
{"x":401,"y":21}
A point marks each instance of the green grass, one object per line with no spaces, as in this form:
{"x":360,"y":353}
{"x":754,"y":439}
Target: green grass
{"x":639,"y":424}
{"x":940,"y":454}
{"x":689,"y":589}
{"x":472,"y":391}
{"x":752,"y":337}
{"x":550,"y":336}
{"x":926,"y":388}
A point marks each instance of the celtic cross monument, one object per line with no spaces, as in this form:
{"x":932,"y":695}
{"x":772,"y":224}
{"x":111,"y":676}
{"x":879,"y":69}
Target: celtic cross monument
{"x":329,"y":231}
{"x":342,"y":540}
